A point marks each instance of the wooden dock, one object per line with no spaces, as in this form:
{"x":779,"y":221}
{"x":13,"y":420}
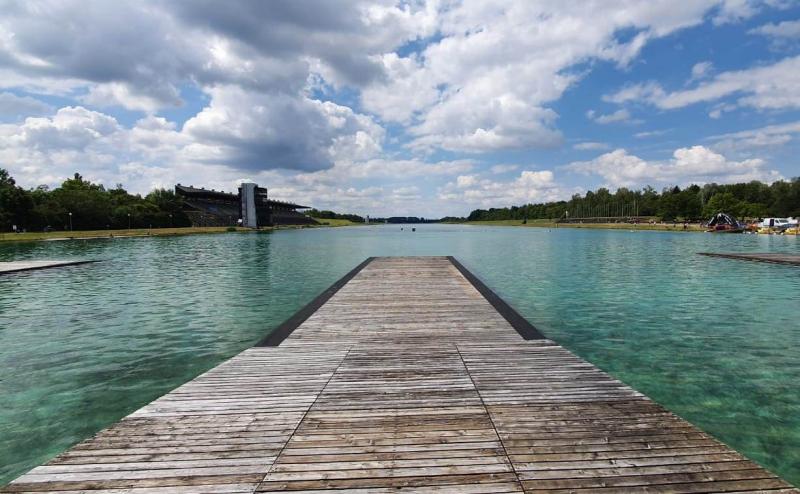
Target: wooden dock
{"x":792,"y":259}
{"x":409,"y":375}
{"x":7,"y":267}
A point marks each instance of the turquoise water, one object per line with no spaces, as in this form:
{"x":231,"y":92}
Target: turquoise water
{"x":714,"y":340}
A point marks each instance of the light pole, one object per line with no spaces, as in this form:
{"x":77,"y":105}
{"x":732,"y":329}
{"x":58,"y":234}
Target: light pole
{"x":170,"y":220}
{"x":129,"y":221}
{"x":70,"y":221}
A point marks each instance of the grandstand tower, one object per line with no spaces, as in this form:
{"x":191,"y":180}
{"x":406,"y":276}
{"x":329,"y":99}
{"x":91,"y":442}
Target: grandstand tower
{"x":216,"y":208}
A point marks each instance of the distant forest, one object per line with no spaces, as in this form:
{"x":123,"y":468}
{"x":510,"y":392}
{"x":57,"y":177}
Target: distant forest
{"x":744,"y":200}
{"x":330,"y":215}
{"x":93,"y":207}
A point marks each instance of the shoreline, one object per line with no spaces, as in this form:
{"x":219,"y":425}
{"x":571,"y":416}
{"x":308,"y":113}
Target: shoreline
{"x":692,"y":228}
{"x":9,"y":237}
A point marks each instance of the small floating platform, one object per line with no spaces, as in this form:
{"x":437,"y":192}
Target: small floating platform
{"x":409,"y":375}
{"x":793,"y":259}
{"x":17,"y":266}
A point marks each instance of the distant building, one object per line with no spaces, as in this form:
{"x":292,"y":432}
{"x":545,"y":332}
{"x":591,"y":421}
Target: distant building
{"x":251,"y":205}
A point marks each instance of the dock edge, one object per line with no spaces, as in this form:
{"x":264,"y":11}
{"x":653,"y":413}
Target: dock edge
{"x":276,"y":337}
{"x":519,"y":323}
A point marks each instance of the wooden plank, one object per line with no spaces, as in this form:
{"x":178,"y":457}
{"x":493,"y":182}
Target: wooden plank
{"x":405,"y":376}
{"x":399,"y":416}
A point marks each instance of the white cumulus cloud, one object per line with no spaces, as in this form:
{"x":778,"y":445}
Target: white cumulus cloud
{"x":696,"y":164}
{"x":488,"y":82}
{"x":784,"y":29}
{"x":769,"y":87}
{"x":471,"y":191}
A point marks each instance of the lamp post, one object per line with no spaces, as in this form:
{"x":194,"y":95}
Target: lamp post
{"x":129,"y":221}
{"x":70,"y":221}
{"x":170,"y":220}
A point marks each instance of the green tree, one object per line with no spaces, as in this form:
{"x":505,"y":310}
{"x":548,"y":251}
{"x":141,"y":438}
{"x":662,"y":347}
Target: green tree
{"x":169,"y":208}
{"x":723,"y":202}
{"x":785,"y":198}
{"x":669,"y":207}
{"x":16,"y":204}
{"x":89,"y":204}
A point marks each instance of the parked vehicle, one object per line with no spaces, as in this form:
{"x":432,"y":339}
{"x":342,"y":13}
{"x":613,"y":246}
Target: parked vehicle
{"x":774,"y":225}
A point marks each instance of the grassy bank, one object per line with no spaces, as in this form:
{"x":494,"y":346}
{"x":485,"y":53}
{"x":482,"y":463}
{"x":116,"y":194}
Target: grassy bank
{"x":149,"y":232}
{"x":597,"y":226}
{"x":330,"y":222}
{"x":90,"y":234}
{"x":160,"y":232}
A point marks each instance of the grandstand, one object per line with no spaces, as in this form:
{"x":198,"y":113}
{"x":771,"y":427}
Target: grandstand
{"x":206,"y":207}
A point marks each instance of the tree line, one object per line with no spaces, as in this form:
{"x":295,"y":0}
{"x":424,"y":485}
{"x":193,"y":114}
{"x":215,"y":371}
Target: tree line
{"x":330,"y":215}
{"x":92,"y":207}
{"x":693,"y":203}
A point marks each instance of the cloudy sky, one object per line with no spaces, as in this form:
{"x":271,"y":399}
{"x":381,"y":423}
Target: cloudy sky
{"x":406,"y":108}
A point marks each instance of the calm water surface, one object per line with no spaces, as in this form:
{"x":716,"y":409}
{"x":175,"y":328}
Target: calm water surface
{"x":714,"y":340}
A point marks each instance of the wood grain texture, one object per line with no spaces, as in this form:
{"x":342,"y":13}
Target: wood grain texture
{"x":406,"y":379}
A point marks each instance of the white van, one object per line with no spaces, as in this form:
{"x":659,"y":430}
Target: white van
{"x":778,"y":223}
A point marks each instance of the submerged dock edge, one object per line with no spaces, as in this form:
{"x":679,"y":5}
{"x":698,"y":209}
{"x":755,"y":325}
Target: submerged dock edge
{"x":519,"y":323}
{"x":286,"y":328}
{"x":14,"y":267}
{"x":770,"y":258}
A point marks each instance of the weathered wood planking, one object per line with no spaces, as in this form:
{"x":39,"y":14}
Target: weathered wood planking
{"x":772,"y":258}
{"x":406,"y":378}
{"x":406,"y":300}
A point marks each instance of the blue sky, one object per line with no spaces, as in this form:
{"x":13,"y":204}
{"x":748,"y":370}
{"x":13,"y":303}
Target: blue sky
{"x":407,"y":108}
